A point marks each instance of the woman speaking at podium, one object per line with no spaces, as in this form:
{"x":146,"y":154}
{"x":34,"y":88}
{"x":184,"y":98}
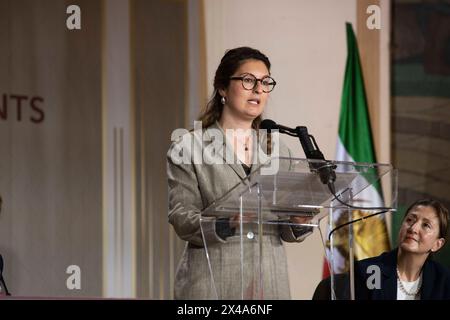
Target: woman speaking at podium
{"x":242,"y":86}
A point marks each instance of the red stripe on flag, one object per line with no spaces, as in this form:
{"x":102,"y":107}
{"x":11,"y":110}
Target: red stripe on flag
{"x":325,"y":269}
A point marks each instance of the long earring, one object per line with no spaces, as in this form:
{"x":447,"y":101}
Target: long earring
{"x":222,"y":100}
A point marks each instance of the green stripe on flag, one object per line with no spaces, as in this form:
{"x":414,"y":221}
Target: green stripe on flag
{"x":354,"y":122}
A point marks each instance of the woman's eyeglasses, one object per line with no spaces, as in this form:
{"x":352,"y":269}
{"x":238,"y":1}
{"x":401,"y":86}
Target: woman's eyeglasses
{"x":249,"y":82}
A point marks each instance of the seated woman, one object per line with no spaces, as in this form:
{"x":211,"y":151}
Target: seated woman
{"x":408,"y":272}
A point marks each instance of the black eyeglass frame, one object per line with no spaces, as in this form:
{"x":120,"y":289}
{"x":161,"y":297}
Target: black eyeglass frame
{"x":256,"y":81}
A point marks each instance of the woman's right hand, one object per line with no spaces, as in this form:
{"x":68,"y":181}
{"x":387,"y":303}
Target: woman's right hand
{"x":246,"y":218}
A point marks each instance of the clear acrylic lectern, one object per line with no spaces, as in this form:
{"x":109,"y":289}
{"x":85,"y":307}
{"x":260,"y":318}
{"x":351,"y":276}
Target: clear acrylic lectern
{"x":284,"y":200}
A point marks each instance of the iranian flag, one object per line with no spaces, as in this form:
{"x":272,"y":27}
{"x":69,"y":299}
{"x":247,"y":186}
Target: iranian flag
{"x":355,"y":144}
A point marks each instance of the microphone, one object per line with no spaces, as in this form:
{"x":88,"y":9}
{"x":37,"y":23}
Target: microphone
{"x":269,"y":125}
{"x":309,"y":145}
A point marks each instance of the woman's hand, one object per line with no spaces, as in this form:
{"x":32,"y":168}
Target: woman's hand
{"x":246,"y":218}
{"x":300,"y":220}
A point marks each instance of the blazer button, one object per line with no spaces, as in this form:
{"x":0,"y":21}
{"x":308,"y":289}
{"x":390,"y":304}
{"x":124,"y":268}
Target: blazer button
{"x":250,"y":235}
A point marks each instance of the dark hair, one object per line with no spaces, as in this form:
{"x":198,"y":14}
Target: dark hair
{"x":230,"y":62}
{"x":441,"y":212}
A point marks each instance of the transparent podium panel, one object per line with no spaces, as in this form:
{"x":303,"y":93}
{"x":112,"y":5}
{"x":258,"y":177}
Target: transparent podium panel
{"x":244,"y":231}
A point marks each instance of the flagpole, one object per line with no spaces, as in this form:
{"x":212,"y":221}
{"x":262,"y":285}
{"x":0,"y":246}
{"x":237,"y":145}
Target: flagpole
{"x":350,"y":250}
{"x":331,"y":258}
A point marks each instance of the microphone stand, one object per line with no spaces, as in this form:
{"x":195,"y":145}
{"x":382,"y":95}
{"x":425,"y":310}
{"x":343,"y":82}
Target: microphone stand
{"x":312,"y":152}
{"x":2,"y":281}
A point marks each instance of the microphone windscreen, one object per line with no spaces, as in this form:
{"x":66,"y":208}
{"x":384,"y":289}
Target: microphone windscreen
{"x":268,"y":124}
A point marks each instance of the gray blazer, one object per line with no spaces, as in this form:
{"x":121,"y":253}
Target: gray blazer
{"x":192,"y":187}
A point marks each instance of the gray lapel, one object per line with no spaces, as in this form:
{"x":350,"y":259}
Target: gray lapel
{"x":259,"y":155}
{"x":228,"y":150}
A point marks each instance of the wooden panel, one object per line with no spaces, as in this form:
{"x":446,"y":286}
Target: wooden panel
{"x":160,"y":59}
{"x":369,"y":49}
{"x":50,"y":173}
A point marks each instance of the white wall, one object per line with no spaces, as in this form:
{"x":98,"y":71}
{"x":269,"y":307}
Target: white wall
{"x":306,"y":43}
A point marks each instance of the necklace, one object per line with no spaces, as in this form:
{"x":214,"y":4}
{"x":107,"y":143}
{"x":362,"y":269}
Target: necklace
{"x":403,"y":289}
{"x":246,"y":143}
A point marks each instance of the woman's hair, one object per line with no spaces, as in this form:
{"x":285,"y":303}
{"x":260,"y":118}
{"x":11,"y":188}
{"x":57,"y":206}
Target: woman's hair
{"x":441,"y":212}
{"x":230,"y":62}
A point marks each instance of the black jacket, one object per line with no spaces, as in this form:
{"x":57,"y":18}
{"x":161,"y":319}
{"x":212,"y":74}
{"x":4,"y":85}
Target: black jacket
{"x":435,"y":281}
